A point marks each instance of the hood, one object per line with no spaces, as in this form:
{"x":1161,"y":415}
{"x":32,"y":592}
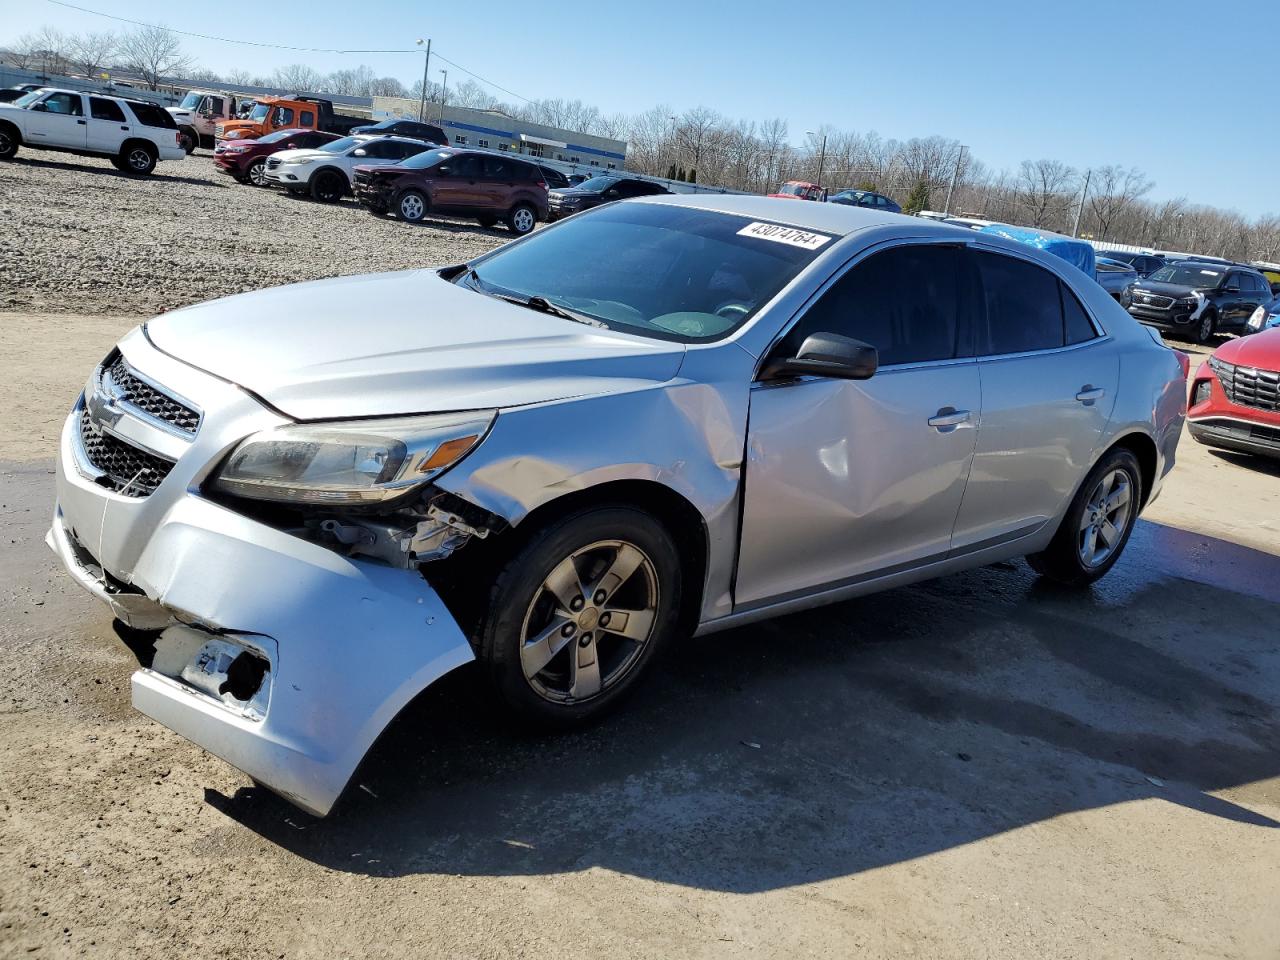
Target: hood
{"x":1260,"y":350}
{"x":401,"y":343}
{"x":285,"y":156}
{"x":1145,"y":285}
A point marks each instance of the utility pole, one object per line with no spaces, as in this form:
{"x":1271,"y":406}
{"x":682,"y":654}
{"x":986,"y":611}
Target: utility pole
{"x":444,"y":95}
{"x":955,"y":175}
{"x":426,"y":64}
{"x":822,"y":155}
{"x":1075,"y":230}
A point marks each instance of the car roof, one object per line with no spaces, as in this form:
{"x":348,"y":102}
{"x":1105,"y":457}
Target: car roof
{"x":835,"y":218}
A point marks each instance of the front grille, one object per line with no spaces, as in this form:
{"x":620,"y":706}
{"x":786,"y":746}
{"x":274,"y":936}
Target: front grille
{"x":1153,"y":300}
{"x":1251,"y":388}
{"x":147,"y":398}
{"x":1265,"y":434}
{"x":126,"y":469}
{"x":362,"y":178}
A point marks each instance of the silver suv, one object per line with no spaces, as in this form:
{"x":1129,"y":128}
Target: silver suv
{"x":663,"y":416}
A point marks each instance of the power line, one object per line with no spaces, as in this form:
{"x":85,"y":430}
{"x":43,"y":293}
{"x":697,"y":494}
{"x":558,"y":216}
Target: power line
{"x":279,"y":46}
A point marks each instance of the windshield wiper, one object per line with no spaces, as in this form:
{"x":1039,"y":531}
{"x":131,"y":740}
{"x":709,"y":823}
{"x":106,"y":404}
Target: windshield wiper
{"x":543,"y":305}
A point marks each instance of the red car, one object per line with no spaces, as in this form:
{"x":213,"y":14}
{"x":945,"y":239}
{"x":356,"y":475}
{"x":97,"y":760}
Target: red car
{"x":246,"y":160}
{"x":800,"y":190}
{"x":1235,"y":397}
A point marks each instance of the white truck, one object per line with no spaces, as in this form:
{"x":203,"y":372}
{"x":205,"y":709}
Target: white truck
{"x":199,"y":114}
{"x":133,"y":134}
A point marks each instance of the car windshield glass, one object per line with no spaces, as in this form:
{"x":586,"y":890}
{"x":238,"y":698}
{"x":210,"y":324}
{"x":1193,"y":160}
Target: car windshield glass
{"x":794,"y":189}
{"x":190,"y":101}
{"x":338,"y":146}
{"x":27,"y":98}
{"x":658,"y":270}
{"x":428,"y":158}
{"x":1189,"y":275}
{"x":277,"y":136}
{"x":597,"y":184}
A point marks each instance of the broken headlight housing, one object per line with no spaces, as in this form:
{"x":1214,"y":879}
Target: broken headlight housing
{"x":352,"y":462}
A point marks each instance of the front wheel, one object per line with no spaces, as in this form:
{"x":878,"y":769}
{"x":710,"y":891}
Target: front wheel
{"x":188,"y":140}
{"x":328,"y":186}
{"x":577,"y":614}
{"x":1208,"y":324}
{"x":522,"y":219}
{"x":257,"y":173}
{"x":411,"y":207}
{"x":8,"y":142}
{"x":1097,"y":524}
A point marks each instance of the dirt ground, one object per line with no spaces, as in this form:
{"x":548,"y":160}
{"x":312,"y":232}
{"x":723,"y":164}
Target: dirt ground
{"x":981,"y":766}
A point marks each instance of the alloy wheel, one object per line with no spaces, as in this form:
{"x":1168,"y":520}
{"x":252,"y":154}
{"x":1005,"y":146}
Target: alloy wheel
{"x":1105,"y":517}
{"x":589,"y":621}
{"x":523,"y":220}
{"x":139,"y":159}
{"x":1206,"y":327}
{"x":258,"y":173}
{"x":412,"y":207}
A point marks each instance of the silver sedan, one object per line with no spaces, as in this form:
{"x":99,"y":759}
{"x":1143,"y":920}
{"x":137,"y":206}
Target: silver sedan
{"x":662,"y":417}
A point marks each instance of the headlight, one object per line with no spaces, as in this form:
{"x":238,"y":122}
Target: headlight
{"x":300,"y":161}
{"x":1190,"y":301}
{"x":1259,"y":315}
{"x":1221,"y":368}
{"x":351,"y":462}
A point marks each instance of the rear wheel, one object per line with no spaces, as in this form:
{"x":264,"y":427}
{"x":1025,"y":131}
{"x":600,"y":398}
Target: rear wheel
{"x":328,"y":186}
{"x":522,"y":219}
{"x":579,"y":612}
{"x":8,"y":142}
{"x":257,"y":173}
{"x":411,"y":206}
{"x":1208,"y":324}
{"x":1097,"y":524}
{"x":138,"y":158}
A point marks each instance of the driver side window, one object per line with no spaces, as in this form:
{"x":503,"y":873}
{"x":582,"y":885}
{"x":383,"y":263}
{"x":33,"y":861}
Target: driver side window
{"x":912,"y":303}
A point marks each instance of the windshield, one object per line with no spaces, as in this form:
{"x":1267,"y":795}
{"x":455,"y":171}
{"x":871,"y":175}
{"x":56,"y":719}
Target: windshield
{"x":1189,"y":275}
{"x":190,"y":101}
{"x":658,"y":270}
{"x":794,"y":189}
{"x":337,"y":146}
{"x":259,"y":112}
{"x":428,"y":158}
{"x":27,"y":98}
{"x":596,"y":184}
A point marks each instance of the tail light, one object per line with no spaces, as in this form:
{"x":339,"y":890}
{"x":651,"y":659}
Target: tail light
{"x":1184,"y":361}
{"x":177,"y":139}
{"x":542,"y":184}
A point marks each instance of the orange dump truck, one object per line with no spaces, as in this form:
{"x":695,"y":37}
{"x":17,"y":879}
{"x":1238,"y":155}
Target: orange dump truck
{"x":270,"y":114}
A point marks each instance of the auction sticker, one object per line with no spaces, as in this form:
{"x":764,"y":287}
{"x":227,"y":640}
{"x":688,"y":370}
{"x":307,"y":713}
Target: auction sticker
{"x":787,"y":235}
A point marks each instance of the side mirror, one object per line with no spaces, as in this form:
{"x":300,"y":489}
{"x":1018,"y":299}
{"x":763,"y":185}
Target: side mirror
{"x":611,"y":193}
{"x":442,"y":171}
{"x":361,"y":152}
{"x":40,"y":107}
{"x":826,"y":355}
{"x":1231,"y":288}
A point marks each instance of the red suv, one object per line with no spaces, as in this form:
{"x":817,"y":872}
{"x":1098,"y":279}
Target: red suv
{"x":465,"y":183}
{"x":246,"y":160}
{"x":1235,"y":397}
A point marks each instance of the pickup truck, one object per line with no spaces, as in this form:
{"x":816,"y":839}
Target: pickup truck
{"x":132,"y":134}
{"x":200,"y":112}
{"x":270,"y":114}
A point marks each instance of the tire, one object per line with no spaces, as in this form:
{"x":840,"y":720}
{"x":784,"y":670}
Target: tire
{"x":188,"y":140}
{"x":1208,"y":326}
{"x":10,"y":140}
{"x":256,"y":174}
{"x":138,"y":159}
{"x":568,"y":688}
{"x":487,"y":222}
{"x":1115,"y":478}
{"x":521,"y":219}
{"x":411,"y":206}
{"x":328,"y":186}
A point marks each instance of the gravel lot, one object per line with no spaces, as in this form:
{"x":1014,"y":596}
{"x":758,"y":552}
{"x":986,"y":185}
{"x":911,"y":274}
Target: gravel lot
{"x":81,"y":237}
{"x":979,"y":766}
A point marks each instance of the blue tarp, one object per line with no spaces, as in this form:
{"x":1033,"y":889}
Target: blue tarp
{"x":1075,"y":252}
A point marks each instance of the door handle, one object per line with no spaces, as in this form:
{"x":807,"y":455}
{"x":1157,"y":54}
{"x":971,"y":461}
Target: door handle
{"x":81,"y":122}
{"x":949,"y":418}
{"x":1089,"y":393}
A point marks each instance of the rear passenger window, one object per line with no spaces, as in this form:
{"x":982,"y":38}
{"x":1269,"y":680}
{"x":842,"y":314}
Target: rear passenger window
{"x":499,"y":168}
{"x":101,"y":109}
{"x":1075,"y":321}
{"x":1024,"y":308}
{"x":151,"y":115}
{"x":911,"y":303}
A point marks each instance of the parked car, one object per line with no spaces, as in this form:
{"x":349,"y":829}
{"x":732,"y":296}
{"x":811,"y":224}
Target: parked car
{"x":865,"y":198}
{"x":413,"y":129}
{"x":1144,"y":263}
{"x":553,"y":178}
{"x":1116,"y":277}
{"x":246,"y":160}
{"x":270,"y":114}
{"x":462,"y":183}
{"x":1235,"y":396}
{"x":10,"y":94}
{"x":800,"y":190}
{"x":311,"y":502}
{"x":1265,"y":317}
{"x":326,"y":172}
{"x":1197,"y":299}
{"x":597,"y":191}
{"x":133,"y":134}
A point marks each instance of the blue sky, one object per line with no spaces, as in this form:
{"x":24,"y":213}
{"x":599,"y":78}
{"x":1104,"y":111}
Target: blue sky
{"x":1186,"y":91}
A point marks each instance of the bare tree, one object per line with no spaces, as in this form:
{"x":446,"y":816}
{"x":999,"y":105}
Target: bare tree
{"x":242,"y":78}
{"x":25,"y":52}
{"x":298,"y":77}
{"x":1046,"y":189}
{"x":1112,"y":190}
{"x":154,"y":52}
{"x":90,"y":52}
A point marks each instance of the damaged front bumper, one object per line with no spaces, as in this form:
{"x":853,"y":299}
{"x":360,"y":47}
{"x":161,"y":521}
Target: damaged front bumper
{"x":281,"y":656}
